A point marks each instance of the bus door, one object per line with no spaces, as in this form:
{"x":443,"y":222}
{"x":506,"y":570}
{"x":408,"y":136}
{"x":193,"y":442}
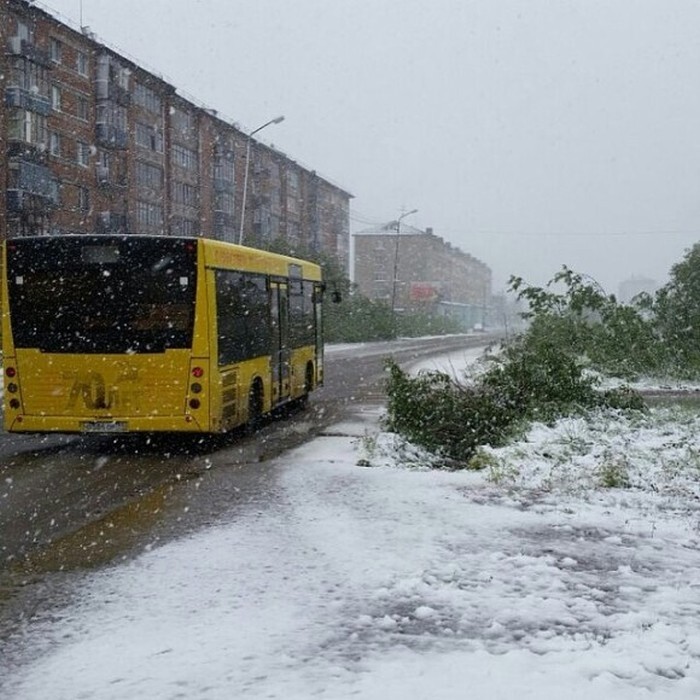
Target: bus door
{"x":280,"y":353}
{"x":318,"y":331}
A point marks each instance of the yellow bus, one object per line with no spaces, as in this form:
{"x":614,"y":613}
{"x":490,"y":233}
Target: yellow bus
{"x":116,"y":334}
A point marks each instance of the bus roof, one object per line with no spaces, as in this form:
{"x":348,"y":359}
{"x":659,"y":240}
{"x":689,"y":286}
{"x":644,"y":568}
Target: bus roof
{"x":215,"y":253}
{"x":230,"y":255}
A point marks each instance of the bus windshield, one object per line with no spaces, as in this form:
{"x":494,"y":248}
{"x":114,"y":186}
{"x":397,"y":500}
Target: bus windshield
{"x":102,"y":294}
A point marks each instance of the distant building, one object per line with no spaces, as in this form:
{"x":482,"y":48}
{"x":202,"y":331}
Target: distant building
{"x":95,"y":143}
{"x":416,"y":270}
{"x":633,"y":286}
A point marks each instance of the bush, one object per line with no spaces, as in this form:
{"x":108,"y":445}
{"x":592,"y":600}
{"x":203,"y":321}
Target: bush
{"x":357,"y":319}
{"x":531,"y":379}
{"x":447,"y":418}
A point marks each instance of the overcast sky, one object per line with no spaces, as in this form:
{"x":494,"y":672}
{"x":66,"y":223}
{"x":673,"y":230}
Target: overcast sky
{"x":530,"y":133}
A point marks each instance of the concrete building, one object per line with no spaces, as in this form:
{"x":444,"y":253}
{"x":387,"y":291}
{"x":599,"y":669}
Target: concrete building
{"x":416,"y":270}
{"x":92,"y":142}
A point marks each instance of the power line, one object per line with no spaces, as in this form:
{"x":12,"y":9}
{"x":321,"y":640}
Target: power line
{"x":572,"y":234}
{"x":364,"y":219}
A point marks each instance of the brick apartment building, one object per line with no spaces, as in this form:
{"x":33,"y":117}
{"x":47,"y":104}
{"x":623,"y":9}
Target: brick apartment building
{"x":416,"y":270}
{"x":92,"y":142}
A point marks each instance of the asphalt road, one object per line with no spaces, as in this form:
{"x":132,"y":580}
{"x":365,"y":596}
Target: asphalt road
{"x":73,"y":503}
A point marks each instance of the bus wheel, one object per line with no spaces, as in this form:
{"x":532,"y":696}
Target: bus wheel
{"x":255,"y":406}
{"x":308,"y":384}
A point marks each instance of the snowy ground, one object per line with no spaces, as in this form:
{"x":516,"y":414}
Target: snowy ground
{"x":533,"y":578}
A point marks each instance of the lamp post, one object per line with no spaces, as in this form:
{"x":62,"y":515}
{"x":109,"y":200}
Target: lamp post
{"x":276,"y":120}
{"x":396,"y":267}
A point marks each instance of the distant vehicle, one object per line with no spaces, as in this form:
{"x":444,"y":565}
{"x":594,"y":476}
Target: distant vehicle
{"x":479,"y":328}
{"x":114,"y":334}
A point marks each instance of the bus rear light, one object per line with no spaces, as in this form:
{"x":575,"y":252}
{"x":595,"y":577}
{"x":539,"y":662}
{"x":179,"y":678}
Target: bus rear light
{"x":11,"y":372}
{"x":12,"y":388}
{"x":14,"y":403}
{"x":194,"y":403}
{"x":196,"y":388}
{"x":197,"y":372}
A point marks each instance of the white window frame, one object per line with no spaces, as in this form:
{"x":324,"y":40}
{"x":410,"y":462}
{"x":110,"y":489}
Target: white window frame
{"x":81,"y":63}
{"x":56,"y":98}
{"x":82,"y":152}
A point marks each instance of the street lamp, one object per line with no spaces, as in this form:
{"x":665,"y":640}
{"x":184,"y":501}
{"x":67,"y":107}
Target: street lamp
{"x":276,"y":120}
{"x":396,"y":267}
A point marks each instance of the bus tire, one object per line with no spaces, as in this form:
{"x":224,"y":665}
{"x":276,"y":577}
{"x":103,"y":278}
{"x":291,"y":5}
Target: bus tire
{"x":255,"y":406}
{"x":308,"y":383}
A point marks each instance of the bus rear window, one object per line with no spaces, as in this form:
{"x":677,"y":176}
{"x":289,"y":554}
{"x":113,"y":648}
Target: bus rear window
{"x":89,"y":294}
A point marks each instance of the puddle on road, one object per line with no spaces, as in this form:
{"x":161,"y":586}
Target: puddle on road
{"x":100,"y":541}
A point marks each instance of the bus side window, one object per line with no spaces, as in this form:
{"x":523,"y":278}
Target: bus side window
{"x":301,"y":307}
{"x":242,"y":314}
{"x":229,"y":322}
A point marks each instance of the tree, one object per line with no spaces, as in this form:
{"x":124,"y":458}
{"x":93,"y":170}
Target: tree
{"x":677,"y":312}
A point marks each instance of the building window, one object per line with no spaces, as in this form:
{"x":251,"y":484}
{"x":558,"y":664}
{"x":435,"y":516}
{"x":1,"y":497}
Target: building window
{"x":184,"y":193}
{"x":55,"y":144}
{"x":29,"y":76}
{"x":224,"y":167}
{"x":293,"y":205}
{"x":147,"y":98}
{"x":23,"y":31}
{"x":83,"y":199}
{"x":149,"y":137}
{"x":148,"y":175}
{"x":82,"y":108}
{"x":82,"y":153}
{"x":56,"y":50}
{"x":182,"y":121}
{"x":149,"y":215}
{"x":81,"y":63}
{"x":293,"y":232}
{"x":184,"y":157}
{"x":56,"y":98}
{"x":112,"y":114}
{"x":292,"y":183}
{"x":28,"y":127}
{"x":181,"y":226}
{"x":224,"y":203}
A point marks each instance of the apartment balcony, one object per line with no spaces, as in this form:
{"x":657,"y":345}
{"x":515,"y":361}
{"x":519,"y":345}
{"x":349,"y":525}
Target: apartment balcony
{"x":31,"y":184}
{"x":18,"y":201}
{"x":223,"y":185}
{"x":222,"y":220}
{"x":110,"y":136}
{"x":109,"y":90}
{"x":24,"y":99}
{"x":22,"y":47}
{"x":260,"y":199}
{"x":106,"y":178}
{"x":21,"y":150}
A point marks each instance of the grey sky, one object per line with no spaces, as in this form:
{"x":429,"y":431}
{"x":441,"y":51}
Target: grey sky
{"x":530,"y":133}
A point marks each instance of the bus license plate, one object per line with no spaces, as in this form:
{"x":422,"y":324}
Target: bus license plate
{"x":104,"y":427}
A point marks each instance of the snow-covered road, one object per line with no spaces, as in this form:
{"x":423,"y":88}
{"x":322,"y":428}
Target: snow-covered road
{"x":388,"y":582}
